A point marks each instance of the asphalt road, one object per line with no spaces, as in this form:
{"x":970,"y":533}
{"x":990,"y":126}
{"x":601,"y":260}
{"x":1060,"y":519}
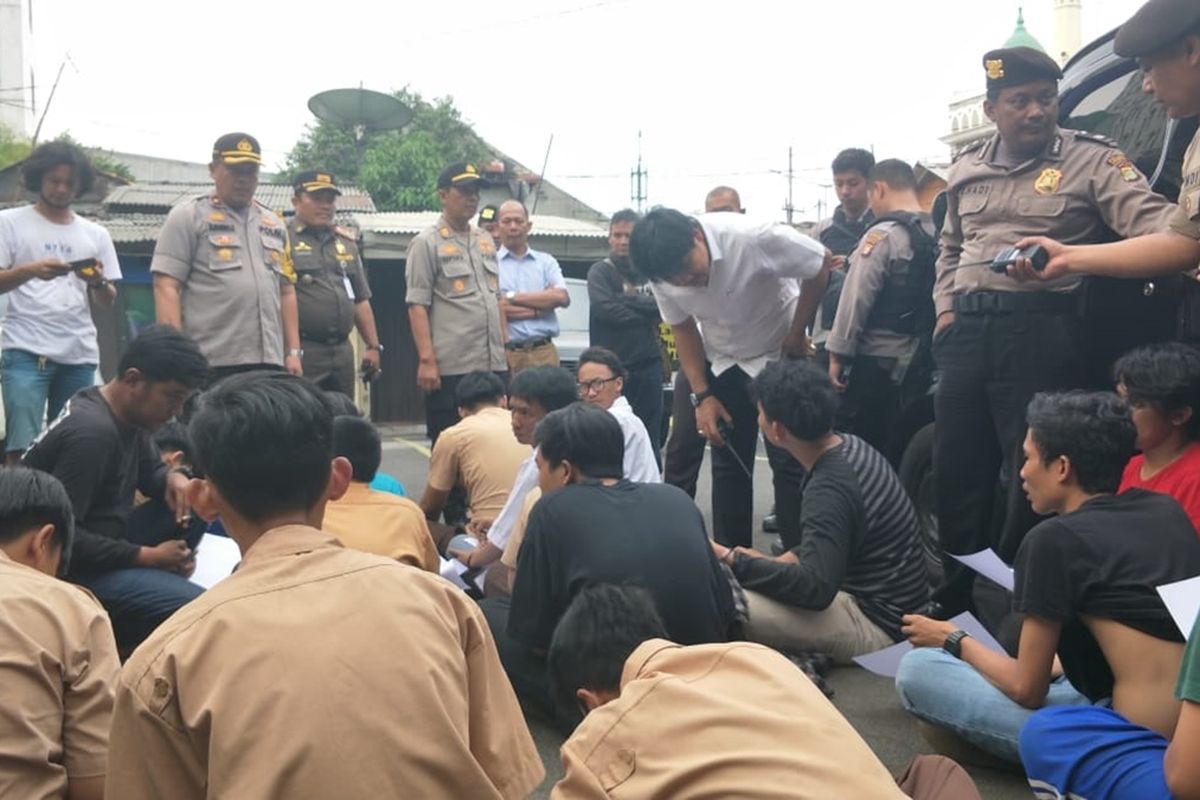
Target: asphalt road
{"x":868,"y":701}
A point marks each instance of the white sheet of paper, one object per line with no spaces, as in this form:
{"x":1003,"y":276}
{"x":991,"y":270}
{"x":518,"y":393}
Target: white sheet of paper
{"x":885,"y":662}
{"x":1182,"y":599}
{"x":216,"y":556}
{"x":452,"y":570}
{"x":989,"y":565}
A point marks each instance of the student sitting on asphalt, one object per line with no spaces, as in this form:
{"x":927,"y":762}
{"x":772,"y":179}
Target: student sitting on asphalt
{"x":100,"y":448}
{"x":314,"y":670}
{"x":1085,"y":581}
{"x":714,"y":720}
{"x":593,"y":526}
{"x":372,"y":521}
{"x":60,"y":660}
{"x":480,"y":453}
{"x":842,"y":585}
{"x":1162,"y":385}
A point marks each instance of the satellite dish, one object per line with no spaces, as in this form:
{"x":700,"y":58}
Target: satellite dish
{"x":361,"y":110}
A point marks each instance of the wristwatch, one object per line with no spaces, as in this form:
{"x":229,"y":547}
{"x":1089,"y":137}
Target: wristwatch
{"x":953,"y":643}
{"x":295,"y":351}
{"x":509,"y":295}
{"x":378,"y":348}
{"x":700,"y":397}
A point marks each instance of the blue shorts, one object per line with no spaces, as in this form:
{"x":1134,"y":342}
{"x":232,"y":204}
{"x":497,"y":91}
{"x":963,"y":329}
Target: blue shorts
{"x":1085,"y":751}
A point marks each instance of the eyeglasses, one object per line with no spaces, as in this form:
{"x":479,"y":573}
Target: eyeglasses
{"x":594,"y":385}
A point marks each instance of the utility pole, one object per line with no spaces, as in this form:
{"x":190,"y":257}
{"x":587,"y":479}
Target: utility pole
{"x":638,"y":181}
{"x":788,"y":208}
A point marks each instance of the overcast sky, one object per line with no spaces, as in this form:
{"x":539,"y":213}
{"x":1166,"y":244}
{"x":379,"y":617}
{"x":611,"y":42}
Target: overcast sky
{"x":719,"y":90}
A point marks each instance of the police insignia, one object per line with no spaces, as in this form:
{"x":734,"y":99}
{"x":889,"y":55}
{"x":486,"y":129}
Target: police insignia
{"x":460,"y":285}
{"x":870,"y":240}
{"x":341,"y":248}
{"x":303,"y":247}
{"x":225,"y":254}
{"x":448,"y":250}
{"x":270,"y":223}
{"x":1128,"y":171}
{"x":445,"y":232}
{"x":487,"y":248}
{"x":995,"y":69}
{"x":1047,"y":182}
{"x":217,"y":216}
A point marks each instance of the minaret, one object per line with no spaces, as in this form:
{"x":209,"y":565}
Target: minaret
{"x":1068,"y":29}
{"x":16,"y":67}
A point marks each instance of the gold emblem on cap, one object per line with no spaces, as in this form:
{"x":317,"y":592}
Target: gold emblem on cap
{"x":1047,"y":182}
{"x":323,"y":178}
{"x":470,"y":168}
{"x":244,"y":146}
{"x":995,"y":68}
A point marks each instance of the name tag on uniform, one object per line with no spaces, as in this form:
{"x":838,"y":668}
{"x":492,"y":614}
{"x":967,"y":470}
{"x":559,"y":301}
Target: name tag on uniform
{"x":349,"y":287}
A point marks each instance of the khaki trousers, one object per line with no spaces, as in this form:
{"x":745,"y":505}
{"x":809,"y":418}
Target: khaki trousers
{"x":840,"y":631}
{"x":542,"y":355}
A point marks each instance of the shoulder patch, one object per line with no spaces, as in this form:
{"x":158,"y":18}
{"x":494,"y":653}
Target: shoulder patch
{"x":1120,"y":162}
{"x":345,"y":233}
{"x":1097,"y":138}
{"x":871,"y":239}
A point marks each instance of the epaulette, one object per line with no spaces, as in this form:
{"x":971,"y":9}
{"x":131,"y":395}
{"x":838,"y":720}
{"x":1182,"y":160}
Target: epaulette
{"x":345,"y":233}
{"x":972,"y":147}
{"x":1088,"y":136}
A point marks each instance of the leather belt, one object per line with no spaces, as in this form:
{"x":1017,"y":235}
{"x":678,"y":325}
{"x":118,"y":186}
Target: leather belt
{"x":330,"y":340}
{"x":528,"y":344}
{"x":1016,"y":302}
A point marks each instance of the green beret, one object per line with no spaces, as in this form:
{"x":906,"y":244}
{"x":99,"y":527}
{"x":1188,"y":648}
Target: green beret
{"x":1156,"y":25}
{"x":1013,"y":66}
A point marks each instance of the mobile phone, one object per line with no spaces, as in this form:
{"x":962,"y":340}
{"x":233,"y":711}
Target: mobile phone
{"x":86,"y":268}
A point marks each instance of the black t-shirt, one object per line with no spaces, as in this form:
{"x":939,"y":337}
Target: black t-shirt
{"x":101,"y":462}
{"x":1104,"y":560}
{"x":638,"y":534}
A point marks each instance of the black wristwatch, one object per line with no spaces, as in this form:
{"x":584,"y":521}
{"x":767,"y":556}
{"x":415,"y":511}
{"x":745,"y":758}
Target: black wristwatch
{"x":700,"y":397}
{"x":953,"y":643}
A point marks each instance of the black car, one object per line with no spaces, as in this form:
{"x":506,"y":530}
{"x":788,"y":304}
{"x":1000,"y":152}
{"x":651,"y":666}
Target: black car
{"x":1102,"y":93}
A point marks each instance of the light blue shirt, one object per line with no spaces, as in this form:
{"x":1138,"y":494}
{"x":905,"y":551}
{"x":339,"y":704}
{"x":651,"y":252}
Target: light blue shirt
{"x":533,"y":272}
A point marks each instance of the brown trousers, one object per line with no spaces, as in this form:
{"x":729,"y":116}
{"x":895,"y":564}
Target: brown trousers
{"x":937,"y":778}
{"x":542,"y":355}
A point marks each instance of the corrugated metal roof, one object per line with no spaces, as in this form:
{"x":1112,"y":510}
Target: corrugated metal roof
{"x":276,"y":196}
{"x":138,"y":228}
{"x":413,"y":222}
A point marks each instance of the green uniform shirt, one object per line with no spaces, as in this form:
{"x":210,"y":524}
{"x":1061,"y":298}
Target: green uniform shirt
{"x":1188,"y":687}
{"x":329,"y":281}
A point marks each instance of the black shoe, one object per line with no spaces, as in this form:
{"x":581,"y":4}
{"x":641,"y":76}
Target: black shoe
{"x":777,"y":547}
{"x":770,"y":523}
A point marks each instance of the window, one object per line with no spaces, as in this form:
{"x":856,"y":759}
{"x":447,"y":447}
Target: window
{"x":1120,"y":110}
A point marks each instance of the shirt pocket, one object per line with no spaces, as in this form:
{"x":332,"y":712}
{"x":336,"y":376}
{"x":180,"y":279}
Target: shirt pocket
{"x":1045,"y":207}
{"x":491,"y":268}
{"x":457,"y":278}
{"x":225,"y":252}
{"x":972,"y":203}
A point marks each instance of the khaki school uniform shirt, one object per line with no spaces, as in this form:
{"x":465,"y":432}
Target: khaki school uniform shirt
{"x":57,"y":678}
{"x":1079,"y":190}
{"x":384,"y":524}
{"x":513,"y":549}
{"x":316,"y":671}
{"x":718,"y":720}
{"x":481,"y":452}
{"x":233,"y":266}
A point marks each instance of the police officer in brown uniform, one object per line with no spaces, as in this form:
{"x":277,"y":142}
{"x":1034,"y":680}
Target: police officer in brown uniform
{"x":998,"y":340}
{"x":1164,"y":37}
{"x":331,"y":288}
{"x":453,"y":298}
{"x":223,"y":269}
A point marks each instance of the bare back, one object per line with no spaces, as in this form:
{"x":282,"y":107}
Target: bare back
{"x":1144,"y":669}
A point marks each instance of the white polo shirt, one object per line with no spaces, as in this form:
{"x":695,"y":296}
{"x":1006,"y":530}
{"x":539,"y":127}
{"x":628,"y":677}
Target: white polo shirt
{"x":747,"y":307}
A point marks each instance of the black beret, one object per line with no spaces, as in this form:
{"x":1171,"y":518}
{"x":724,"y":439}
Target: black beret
{"x":1013,"y":66}
{"x":1156,"y":25}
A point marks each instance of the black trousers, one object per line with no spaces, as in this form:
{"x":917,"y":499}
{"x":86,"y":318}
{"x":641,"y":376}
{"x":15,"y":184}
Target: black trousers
{"x":644,"y":391}
{"x":441,"y":411}
{"x":732,"y":489}
{"x":991,"y":366}
{"x":685,"y":447}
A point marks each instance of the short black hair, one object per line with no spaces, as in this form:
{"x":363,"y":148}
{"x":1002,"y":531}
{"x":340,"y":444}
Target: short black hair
{"x":854,"y":159}
{"x":357,"y":440}
{"x":799,"y":395}
{"x":54,"y":154}
{"x":162,"y":353}
{"x":551,"y":388}
{"x":342,"y":404}
{"x":1092,"y":429}
{"x":1165,"y":377}
{"x":595,"y":637}
{"x":29,"y":499}
{"x":895,"y":173}
{"x":602,"y":355}
{"x":624,"y":215}
{"x":587,"y":436}
{"x":265,"y":439}
{"x":660,"y":243}
{"x":173,"y":436}
{"x":477,"y":389}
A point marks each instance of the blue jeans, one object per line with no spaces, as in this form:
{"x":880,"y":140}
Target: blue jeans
{"x":1094,"y":753}
{"x":944,"y":691}
{"x":29,"y":381}
{"x":139,"y":599}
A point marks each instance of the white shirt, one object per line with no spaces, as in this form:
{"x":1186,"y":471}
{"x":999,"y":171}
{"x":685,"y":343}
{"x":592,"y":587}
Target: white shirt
{"x":639,"y":465}
{"x":527,"y":478}
{"x":52,"y":318}
{"x":747,"y":307}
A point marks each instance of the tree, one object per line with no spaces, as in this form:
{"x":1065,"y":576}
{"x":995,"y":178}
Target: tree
{"x":12,"y":147}
{"x":398,"y":168}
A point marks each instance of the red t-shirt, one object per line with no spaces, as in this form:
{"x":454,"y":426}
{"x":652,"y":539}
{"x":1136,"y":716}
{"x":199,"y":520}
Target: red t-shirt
{"x":1180,"y":479}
